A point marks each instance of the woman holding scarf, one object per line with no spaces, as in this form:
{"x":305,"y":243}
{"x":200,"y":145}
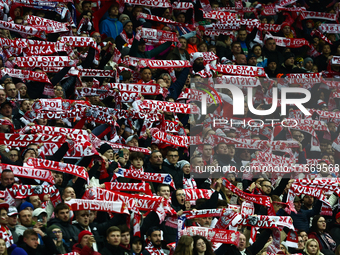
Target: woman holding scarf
{"x":318,"y":232}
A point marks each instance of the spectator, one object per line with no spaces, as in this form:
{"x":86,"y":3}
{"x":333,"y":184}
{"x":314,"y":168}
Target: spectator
{"x":111,"y":26}
{"x":85,"y":244}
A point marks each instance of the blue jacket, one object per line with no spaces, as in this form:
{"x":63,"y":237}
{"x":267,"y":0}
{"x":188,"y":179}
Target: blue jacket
{"x":301,"y":219}
{"x":111,"y":27}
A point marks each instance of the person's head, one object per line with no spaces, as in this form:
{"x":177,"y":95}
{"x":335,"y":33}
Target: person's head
{"x":221,"y":149}
{"x":266,"y":187}
{"x":326,"y":49}
{"x":39,"y":215}
{"x":207,"y":151}
{"x":156,"y":158}
{"x":272,"y":64}
{"x":84,"y":238}
{"x":301,"y":243}
{"x":86,"y":6}
{"x":270,"y":44}
{"x":137,"y":159}
{"x":312,"y":247}
{"x":303,"y":234}
{"x":285,"y":29}
{"x":252,"y":61}
{"x":315,"y":69}
{"x":6,"y":109}
{"x":257,"y":50}
{"x":2,"y":96}
{"x":7,"y":178}
{"x":242,"y":35}
{"x":166,"y":78}
{"x":25,"y":218}
{"x":180,"y":17}
{"x":97,"y":37}
{"x":107,"y":151}
{"x":68,"y":192}
{"x":231,"y":177}
{"x":12,"y":216}
{"x":136,"y":245}
{"x":62,"y":212}
{"x":146,"y":74}
{"x":163,"y":190}
{"x":231,"y":150}
{"x":180,"y":195}
{"x":184,"y":166}
{"x":318,"y":224}
{"x":172,"y":156}
{"x":132,"y":140}
{"x":31,"y":238}
{"x":125,"y":235}
{"x":183,"y":42}
{"x":289,"y":59}
{"x":113,"y":11}
{"x":184,"y":246}
{"x":113,"y":235}
{"x":201,"y":244}
{"x":241,"y":59}
{"x":22,"y":88}
{"x":3,"y":249}
{"x":25,"y":106}
{"x":244,"y":155}
{"x":297,"y":203}
{"x":276,"y":203}
{"x":242,"y":242}
{"x":154,"y":236}
{"x":58,"y":91}
{"x":35,"y":201}
{"x":236,"y":48}
{"x":11,"y":90}
{"x":193,"y":40}
{"x":128,"y":26}
{"x":141,"y":46}
{"x":202,"y":47}
{"x":197,"y":162}
{"x":56,"y":231}
{"x":298,"y":135}
{"x":3,"y":214}
{"x":204,"y":221}
{"x":308,"y":200}
{"x":83,"y":218}
{"x":308,"y":63}
{"x":58,"y":177}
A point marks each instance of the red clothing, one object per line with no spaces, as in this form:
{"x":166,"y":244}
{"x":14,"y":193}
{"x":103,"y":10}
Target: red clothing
{"x":84,"y":251}
{"x":192,"y":48}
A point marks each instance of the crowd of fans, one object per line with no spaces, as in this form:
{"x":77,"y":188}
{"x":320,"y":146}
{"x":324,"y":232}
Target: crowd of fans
{"x":66,"y":66}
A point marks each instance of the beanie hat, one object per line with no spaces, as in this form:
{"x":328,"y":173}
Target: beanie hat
{"x":83,"y":233}
{"x":24,"y":205}
{"x":288,"y":55}
{"x":285,"y":24}
{"x":126,"y":21}
{"x":25,"y":151}
{"x":307,"y":60}
{"x":50,"y":228}
{"x":182,"y":163}
{"x":104,"y":148}
{"x":122,"y":16}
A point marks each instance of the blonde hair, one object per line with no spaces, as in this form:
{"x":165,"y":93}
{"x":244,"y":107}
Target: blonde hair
{"x":5,"y":252}
{"x":317,"y":244}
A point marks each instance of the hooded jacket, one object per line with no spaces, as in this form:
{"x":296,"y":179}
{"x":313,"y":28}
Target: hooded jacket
{"x":70,"y":232}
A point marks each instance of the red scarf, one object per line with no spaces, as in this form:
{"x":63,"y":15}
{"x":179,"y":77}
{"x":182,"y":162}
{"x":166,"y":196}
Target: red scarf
{"x":128,"y":40}
{"x":154,"y":251}
{"x":135,"y":187}
{"x":57,"y":61}
{"x":95,"y":205}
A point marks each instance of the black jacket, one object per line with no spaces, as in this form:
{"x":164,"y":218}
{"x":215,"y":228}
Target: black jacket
{"x":175,"y":172}
{"x":70,"y":232}
{"x":48,"y":247}
{"x":113,"y":250}
{"x":175,"y":55}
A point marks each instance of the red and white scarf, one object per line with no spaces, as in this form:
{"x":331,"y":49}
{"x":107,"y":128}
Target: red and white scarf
{"x":58,"y":166}
{"x":252,"y":71}
{"x":95,"y":205}
{"x":153,"y":105}
{"x":164,"y":64}
{"x":51,"y":25}
{"x":319,"y":15}
{"x":161,"y":35}
{"x":25,"y":74}
{"x":135,"y":187}
{"x":128,"y":40}
{"x":25,"y":30}
{"x":289,"y":42}
{"x":154,"y":251}
{"x":330,"y":28}
{"x":144,"y":176}
{"x":163,"y":137}
{"x":59,"y":61}
{"x":9,"y":139}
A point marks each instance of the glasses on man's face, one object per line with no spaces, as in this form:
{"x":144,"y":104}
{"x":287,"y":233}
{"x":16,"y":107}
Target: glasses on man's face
{"x":57,"y":232}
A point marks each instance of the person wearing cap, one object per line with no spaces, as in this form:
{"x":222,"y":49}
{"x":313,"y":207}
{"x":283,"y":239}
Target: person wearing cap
{"x":132,"y":141}
{"x":138,"y":48}
{"x":12,"y":222}
{"x":125,"y":38}
{"x":56,"y":234}
{"x":31,"y":245}
{"x":111,"y":26}
{"x":308,"y":64}
{"x":252,"y":60}
{"x":197,"y":62}
{"x":5,"y":233}
{"x":188,"y":180}
{"x":301,"y":219}
{"x":288,"y":64}
{"x":6,"y":110}
{"x":39,"y":218}
{"x":85,"y":244}
{"x":335,"y":229}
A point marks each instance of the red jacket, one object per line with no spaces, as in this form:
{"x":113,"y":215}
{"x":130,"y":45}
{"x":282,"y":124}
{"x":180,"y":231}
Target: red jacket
{"x":84,"y":251}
